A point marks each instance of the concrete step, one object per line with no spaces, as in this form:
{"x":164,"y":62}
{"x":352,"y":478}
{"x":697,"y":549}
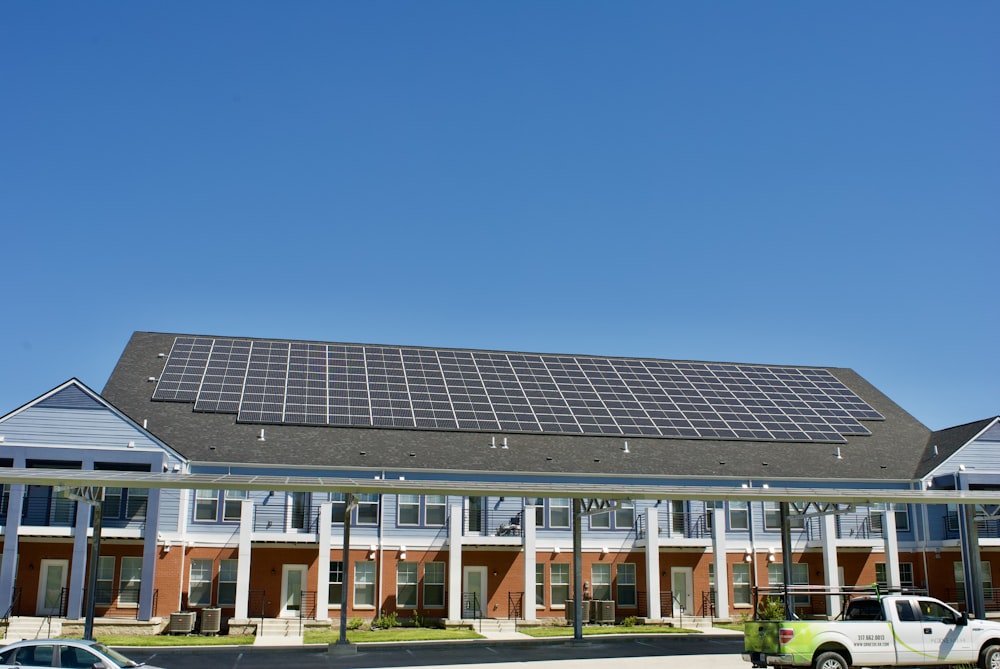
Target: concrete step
{"x":32,"y":627}
{"x":275,"y":631}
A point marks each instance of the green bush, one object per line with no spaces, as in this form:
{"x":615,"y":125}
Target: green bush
{"x":386,"y":621}
{"x":772,"y":608}
{"x":355,"y":623}
{"x":628,"y":621}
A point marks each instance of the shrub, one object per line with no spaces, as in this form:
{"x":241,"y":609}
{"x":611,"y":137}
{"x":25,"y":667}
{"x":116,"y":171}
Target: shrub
{"x":772,"y":608}
{"x":386,"y":620}
{"x":628,"y":621}
{"x":355,"y":624}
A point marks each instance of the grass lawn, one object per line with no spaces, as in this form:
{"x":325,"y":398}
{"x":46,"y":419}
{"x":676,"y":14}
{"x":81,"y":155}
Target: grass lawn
{"x":390,"y":635}
{"x":592,"y":630}
{"x":171,"y":640}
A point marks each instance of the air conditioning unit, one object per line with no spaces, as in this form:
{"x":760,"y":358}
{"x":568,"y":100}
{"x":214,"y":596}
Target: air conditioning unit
{"x":211,"y":621}
{"x":181,"y":622}
{"x":605,"y":612}
{"x":570,"y":609}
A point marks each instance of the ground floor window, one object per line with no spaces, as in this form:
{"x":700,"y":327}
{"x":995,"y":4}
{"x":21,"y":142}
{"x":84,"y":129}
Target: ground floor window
{"x":227,"y":582}
{"x":626,"y":584}
{"x":364,"y":584}
{"x":200,"y":585}
{"x":336,"y":590}
{"x":560,"y":584}
{"x":600,"y":575}
{"x":130,"y":580}
{"x":741,"y":584}
{"x":540,"y":585}
{"x":406,"y":584}
{"x":104,"y":594}
{"x":434,"y":584}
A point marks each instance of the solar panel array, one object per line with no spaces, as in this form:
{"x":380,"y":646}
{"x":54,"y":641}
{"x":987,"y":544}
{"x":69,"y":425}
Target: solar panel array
{"x":304,"y":383}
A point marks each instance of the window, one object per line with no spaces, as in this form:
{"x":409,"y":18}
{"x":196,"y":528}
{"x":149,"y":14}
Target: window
{"x":434,"y":584}
{"x":409,"y":509}
{"x":625,"y":515}
{"x":136,"y":501}
{"x":227,"y":582}
{"x":434,"y":510}
{"x":406,"y":584}
{"x":560,"y":585}
{"x":772,"y":518}
{"x":739,"y":516}
{"x":339,"y":506}
{"x":111,"y":508}
{"x":600,"y":576}
{"x":539,"y":585}
{"x":129,"y":581}
{"x":122,"y":503}
{"x":367,"y":509}
{"x":800,"y":576}
{"x":905,"y":575}
{"x":364,"y":584}
{"x":558,"y":513}
{"x":741,"y":584}
{"x":233,"y":507}
{"x":335,"y":595}
{"x":601,"y":521}
{"x":206,"y":505}
{"x":902,"y":517}
{"x":626,"y":584}
{"x":104,"y":594}
{"x":71,"y":657}
{"x":200,"y":585}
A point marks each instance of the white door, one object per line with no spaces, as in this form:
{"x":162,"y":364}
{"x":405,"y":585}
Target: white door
{"x":293,"y":582}
{"x":51,"y":582}
{"x":682,"y":586}
{"x":474,"y":592}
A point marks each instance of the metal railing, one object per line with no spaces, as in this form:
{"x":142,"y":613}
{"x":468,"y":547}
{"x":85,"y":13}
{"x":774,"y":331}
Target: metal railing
{"x":15,"y":604}
{"x":515,"y":605}
{"x":470,"y":602}
{"x":256,"y":603}
{"x":707,"y":603}
{"x":499,"y":522}
{"x":686,"y":525}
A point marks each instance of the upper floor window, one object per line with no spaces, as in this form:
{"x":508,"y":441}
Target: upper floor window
{"x":207,"y":505}
{"x":739,"y":516}
{"x":124,"y":503}
{"x":367,"y":511}
{"x":558,"y":513}
{"x":621,"y":518}
{"x":415,"y":510}
{"x":772,"y":518}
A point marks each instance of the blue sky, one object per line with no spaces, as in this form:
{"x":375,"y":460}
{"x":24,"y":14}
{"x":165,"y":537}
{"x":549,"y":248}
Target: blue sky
{"x":795,"y":183}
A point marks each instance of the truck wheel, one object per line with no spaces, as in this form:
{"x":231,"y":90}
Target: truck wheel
{"x":990,"y":658}
{"x":832,"y":660}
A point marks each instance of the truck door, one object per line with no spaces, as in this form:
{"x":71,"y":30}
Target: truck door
{"x":944,"y":640}
{"x":908,"y":632}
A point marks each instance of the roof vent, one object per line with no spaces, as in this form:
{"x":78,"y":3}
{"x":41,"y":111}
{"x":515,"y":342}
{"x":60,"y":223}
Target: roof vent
{"x":261,"y":437}
{"x":839,"y":456}
{"x":151,"y":379}
{"x":505,"y":442}
{"x":625,"y":450}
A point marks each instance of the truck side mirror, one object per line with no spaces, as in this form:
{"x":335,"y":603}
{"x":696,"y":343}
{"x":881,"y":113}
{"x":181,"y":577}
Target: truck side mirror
{"x":963,"y":619}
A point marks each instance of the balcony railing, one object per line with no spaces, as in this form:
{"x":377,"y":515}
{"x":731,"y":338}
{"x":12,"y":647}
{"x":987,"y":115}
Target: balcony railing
{"x":987,"y":528}
{"x":686,"y":525}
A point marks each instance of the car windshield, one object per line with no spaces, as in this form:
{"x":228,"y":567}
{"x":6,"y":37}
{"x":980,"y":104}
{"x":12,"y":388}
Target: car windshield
{"x":114,"y":655}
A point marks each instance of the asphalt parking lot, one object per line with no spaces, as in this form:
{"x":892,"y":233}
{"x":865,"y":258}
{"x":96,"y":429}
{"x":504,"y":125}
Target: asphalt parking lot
{"x":652,"y":652}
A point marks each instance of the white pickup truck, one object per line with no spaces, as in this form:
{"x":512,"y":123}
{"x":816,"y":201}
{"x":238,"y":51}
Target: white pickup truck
{"x":877,"y":631}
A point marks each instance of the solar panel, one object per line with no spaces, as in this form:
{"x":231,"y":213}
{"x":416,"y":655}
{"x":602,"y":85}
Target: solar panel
{"x":415,"y":388}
